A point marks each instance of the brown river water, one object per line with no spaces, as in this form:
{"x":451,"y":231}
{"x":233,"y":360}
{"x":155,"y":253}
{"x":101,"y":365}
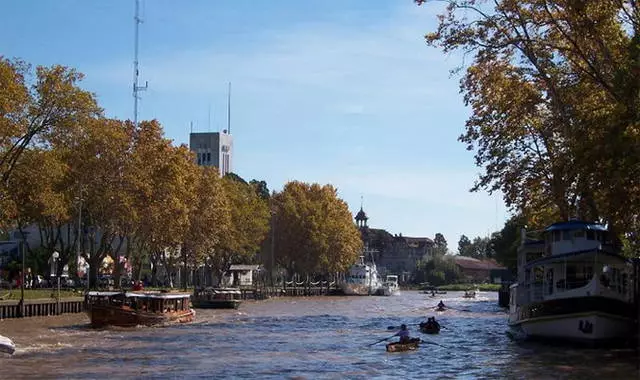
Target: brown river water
{"x":305,"y":338}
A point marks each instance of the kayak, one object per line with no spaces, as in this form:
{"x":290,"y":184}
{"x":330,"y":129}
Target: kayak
{"x":401,"y":347}
{"x":429,"y":328}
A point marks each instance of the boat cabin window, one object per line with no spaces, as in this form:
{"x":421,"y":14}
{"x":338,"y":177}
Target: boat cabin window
{"x":566,"y":235}
{"x":578,"y":276}
{"x":578,"y":233}
{"x":557,"y":235}
{"x":591,"y":235}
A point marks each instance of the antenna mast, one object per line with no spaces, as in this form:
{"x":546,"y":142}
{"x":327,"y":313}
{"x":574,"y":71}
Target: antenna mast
{"x":136,"y":88}
{"x":229,"y":110}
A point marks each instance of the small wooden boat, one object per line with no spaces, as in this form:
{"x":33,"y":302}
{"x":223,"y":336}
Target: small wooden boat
{"x":6,"y":345}
{"x":401,"y":347}
{"x":429,"y":328}
{"x":470,"y":294}
{"x":216,"y":298}
{"x":128,"y":309}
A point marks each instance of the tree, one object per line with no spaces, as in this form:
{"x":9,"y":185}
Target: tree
{"x":249,"y":224}
{"x":314,"y":230}
{"x":554,"y":87}
{"x":31,"y":112}
{"x":209,"y":220}
{"x":463,"y":245}
{"x":440,"y":245}
{"x":505,"y":242}
{"x":439,"y":271}
{"x":164,"y":193}
{"x":260,"y":188}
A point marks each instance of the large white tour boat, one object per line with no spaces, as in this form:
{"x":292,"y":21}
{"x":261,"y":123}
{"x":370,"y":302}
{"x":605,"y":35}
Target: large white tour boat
{"x":362,"y":279}
{"x":572,"y":285}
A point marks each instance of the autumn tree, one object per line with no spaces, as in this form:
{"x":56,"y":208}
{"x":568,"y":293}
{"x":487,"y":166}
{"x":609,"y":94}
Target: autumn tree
{"x":314,"y":230}
{"x":554,"y":88}
{"x":163,"y":191}
{"x":209,"y":220}
{"x":34,"y":106}
{"x":249,"y":224}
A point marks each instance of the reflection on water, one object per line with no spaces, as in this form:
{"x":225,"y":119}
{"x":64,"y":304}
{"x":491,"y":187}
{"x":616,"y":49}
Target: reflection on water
{"x":317,"y":337}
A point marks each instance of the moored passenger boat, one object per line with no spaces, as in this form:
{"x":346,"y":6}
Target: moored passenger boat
{"x":127,"y":309}
{"x":216,"y":298}
{"x":572,"y":285}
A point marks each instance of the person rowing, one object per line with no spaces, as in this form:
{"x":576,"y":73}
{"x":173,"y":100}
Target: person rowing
{"x":441,"y":306}
{"x":403,"y":334}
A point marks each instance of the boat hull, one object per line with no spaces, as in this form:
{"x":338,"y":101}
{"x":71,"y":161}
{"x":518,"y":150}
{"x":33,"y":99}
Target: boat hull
{"x":102,"y":316}
{"x":403,"y":347}
{"x":215,"y":304}
{"x":590,"y":327}
{"x":6,"y":345}
{"x":429,"y":329}
{"x":357,"y":289}
{"x":388,"y":292}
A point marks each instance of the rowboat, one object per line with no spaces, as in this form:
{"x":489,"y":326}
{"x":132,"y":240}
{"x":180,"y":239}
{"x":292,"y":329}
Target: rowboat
{"x":6,"y":345}
{"x":401,"y":347}
{"x":429,"y":328}
{"x":128,"y":309}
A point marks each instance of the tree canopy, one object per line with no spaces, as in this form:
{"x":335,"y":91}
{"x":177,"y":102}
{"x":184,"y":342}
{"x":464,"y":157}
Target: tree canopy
{"x":554,"y":89}
{"x":314,"y":232}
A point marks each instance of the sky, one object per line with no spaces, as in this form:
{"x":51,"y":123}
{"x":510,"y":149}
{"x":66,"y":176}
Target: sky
{"x":342,"y":92}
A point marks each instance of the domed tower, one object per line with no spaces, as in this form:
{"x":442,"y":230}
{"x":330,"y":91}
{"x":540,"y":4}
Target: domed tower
{"x":361,"y":217}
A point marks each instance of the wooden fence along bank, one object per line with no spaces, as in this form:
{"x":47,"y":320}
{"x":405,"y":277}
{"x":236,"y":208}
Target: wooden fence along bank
{"x":41,"y":307}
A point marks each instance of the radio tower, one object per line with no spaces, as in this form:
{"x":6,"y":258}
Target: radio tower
{"x":136,"y":88}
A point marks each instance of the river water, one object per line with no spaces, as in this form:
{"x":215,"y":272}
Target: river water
{"x":304,"y":338}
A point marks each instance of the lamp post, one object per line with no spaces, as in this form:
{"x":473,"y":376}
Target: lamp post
{"x":21,"y":245}
{"x":56,"y":257}
{"x":273,"y":244}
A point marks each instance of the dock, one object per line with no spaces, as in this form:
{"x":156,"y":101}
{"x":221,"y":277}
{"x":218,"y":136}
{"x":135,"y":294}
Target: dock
{"x":41,"y":307}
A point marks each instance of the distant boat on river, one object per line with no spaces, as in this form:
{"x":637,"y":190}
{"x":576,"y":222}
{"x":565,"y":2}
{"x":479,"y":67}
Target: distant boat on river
{"x":362,"y":279}
{"x":128,"y":309}
{"x":216,"y":298}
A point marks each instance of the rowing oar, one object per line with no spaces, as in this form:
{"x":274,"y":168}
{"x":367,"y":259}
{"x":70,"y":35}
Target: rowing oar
{"x":413,"y":324}
{"x":432,"y":342}
{"x":381,"y":340}
{"x":398,"y":327}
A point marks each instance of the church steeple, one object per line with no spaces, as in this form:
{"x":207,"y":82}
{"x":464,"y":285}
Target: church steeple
{"x":361,"y":216}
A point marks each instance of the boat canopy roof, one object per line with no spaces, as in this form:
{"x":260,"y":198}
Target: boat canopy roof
{"x":575,"y":225}
{"x":219,"y":290}
{"x":157,"y":295}
{"x":560,"y":257}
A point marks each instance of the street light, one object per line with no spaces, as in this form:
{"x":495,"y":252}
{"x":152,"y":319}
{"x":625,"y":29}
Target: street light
{"x":55,"y":257}
{"x":273,"y":244}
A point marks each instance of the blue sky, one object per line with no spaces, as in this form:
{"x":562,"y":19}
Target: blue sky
{"x":343,"y":92}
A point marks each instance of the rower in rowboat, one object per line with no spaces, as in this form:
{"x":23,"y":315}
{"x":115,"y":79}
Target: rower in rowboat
{"x":441,"y":306}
